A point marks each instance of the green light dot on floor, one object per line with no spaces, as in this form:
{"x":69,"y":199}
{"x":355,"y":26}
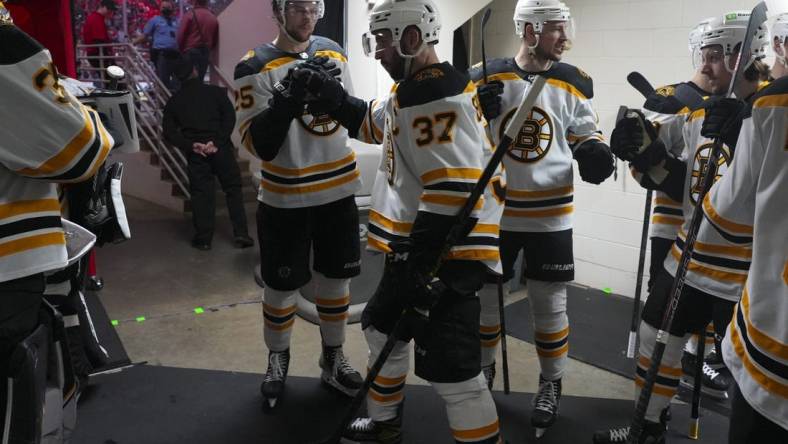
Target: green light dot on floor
{"x":140,"y":319}
{"x":199,"y":310}
{"x":114,"y":323}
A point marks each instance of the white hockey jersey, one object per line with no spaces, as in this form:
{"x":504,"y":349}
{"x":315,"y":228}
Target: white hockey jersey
{"x":538,"y":165}
{"x":748,"y":205}
{"x":668,"y":116}
{"x":716,"y":267}
{"x":315,"y":164}
{"x":434,"y":152}
{"x":47,"y":137}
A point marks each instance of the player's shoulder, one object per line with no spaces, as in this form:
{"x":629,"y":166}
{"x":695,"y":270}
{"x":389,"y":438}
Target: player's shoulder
{"x":574,"y":76}
{"x":498,"y":69}
{"x":663,"y":101}
{"x":256,"y":59}
{"x":432,"y":83}
{"x":775,"y":94}
{"x":16,"y":45}
{"x":322,"y":46}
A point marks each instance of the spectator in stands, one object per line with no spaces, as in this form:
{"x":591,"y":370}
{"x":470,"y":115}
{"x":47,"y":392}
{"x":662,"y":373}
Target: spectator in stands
{"x":161,"y":31}
{"x":95,"y":31}
{"x":199,"y":120}
{"x":198,"y":34}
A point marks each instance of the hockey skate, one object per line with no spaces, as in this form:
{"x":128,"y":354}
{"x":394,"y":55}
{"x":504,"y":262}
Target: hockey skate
{"x":337,"y":372}
{"x":714,"y":383}
{"x":367,"y":430}
{"x":545,"y":404}
{"x":653,"y":433}
{"x":489,"y":374}
{"x":274,"y":382}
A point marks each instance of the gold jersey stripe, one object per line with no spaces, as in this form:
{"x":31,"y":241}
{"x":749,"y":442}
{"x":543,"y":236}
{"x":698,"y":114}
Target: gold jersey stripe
{"x":377,"y":245}
{"x":31,"y":243}
{"x":732,"y":227}
{"x":474,"y":255}
{"x":703,"y":247}
{"x":760,"y":377}
{"x":697,"y":114}
{"x":553,"y":192}
{"x":493,"y":229}
{"x":540,"y":213}
{"x":451,"y":201}
{"x":762,"y":340}
{"x":501,"y":76}
{"x":319,"y":168}
{"x":658,"y":389}
{"x":65,"y":156}
{"x":710,"y":272}
{"x":28,"y":206}
{"x":451,"y":173}
{"x":390,"y":225}
{"x":771,"y":101}
{"x":674,"y":372}
{"x":470,"y":87}
{"x":331,"y":55}
{"x":476,"y":434}
{"x":342,"y":180}
{"x":567,"y":87}
{"x":667,"y":220}
{"x":276,"y":63}
{"x":667,"y":202}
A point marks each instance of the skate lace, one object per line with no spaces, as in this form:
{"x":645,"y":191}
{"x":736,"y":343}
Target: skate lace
{"x":342,"y":364}
{"x":361,"y":424}
{"x":546,"y":398}
{"x":710,"y":372}
{"x":276,"y":369}
{"x":620,"y":434}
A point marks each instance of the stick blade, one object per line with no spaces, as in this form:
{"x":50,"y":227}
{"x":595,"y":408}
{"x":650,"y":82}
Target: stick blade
{"x":639,"y":82}
{"x":688,"y":96}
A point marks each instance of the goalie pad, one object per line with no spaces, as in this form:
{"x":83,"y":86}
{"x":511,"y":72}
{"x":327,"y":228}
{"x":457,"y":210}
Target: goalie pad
{"x":105,"y":214}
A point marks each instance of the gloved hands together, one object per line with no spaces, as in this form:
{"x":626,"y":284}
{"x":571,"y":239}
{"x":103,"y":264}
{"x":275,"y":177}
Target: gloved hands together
{"x":288,"y":96}
{"x":594,"y":161}
{"x":723,"y":119}
{"x":490,"y":99}
{"x":628,"y":139}
{"x":319,"y":77}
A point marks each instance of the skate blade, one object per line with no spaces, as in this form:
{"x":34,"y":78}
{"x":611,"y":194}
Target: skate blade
{"x":336,"y":386}
{"x":270,"y":402}
{"x":539,"y":432}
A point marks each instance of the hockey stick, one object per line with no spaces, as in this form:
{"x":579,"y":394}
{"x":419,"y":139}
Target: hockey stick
{"x":643,"y":86}
{"x":757,"y":18}
{"x":485,"y":19}
{"x":700,"y":353}
{"x":504,"y":353}
{"x":456,"y":233}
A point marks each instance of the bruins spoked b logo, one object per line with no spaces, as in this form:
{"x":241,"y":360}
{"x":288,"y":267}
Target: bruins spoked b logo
{"x":701,"y":164}
{"x":534,"y":139}
{"x":320,"y":125}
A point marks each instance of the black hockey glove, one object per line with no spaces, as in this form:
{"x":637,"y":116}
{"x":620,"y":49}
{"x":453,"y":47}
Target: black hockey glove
{"x":490,"y":99}
{"x":595,"y":161}
{"x":326,"y":93}
{"x":651,"y":156}
{"x":288,"y":97}
{"x":723,"y":119}
{"x":627,"y":138}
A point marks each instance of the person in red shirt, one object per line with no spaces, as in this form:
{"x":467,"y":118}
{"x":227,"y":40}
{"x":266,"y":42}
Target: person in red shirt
{"x":94,"y":31}
{"x":198,"y":34}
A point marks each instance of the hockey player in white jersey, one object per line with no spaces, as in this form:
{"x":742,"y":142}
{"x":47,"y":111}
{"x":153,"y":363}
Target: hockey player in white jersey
{"x":748,"y":208}
{"x":434,"y":148}
{"x":47,"y":137}
{"x":539,"y":184}
{"x":717,"y":271}
{"x":779,"y":44}
{"x":306,"y":198}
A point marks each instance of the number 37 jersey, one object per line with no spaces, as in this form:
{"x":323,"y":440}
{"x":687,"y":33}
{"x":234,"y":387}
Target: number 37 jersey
{"x":538,"y":165}
{"x":434,"y":152}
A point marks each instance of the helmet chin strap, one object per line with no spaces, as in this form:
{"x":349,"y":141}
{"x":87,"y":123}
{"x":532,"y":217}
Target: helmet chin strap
{"x":409,"y":59}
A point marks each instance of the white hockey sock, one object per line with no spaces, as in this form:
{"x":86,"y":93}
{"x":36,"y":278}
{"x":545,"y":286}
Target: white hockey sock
{"x":470,"y":409}
{"x":669,"y":370}
{"x":386,"y":392}
{"x":279,"y":308}
{"x":332,"y":299}
{"x":551,"y":326}
{"x":490,"y":323}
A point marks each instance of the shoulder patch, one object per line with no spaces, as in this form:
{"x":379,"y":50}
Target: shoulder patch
{"x":574,"y":76}
{"x":248,"y":55}
{"x":666,"y":91}
{"x":430,"y":84}
{"x":663,"y":101}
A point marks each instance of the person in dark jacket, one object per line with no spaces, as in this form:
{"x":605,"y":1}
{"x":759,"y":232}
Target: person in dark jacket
{"x":199,"y":120}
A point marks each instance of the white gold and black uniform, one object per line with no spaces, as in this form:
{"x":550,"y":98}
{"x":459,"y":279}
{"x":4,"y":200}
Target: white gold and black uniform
{"x":306,"y":195}
{"x":539,"y":197}
{"x":434,"y":151}
{"x":748,"y":208}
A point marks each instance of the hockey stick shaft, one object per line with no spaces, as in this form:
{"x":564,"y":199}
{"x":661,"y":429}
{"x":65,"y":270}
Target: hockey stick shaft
{"x":455,"y":233}
{"x":700,"y":353}
{"x":485,"y":19}
{"x":632,"y":343}
{"x":504,"y":352}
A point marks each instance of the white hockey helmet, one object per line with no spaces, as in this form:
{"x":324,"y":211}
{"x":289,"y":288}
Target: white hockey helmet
{"x":695,"y":37}
{"x":729,"y":31}
{"x":780,"y":27}
{"x":282,"y":4}
{"x":396,"y":16}
{"x":538,"y":12}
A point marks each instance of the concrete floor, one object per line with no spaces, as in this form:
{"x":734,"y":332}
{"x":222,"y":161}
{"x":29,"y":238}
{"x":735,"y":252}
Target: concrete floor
{"x":157,"y":275}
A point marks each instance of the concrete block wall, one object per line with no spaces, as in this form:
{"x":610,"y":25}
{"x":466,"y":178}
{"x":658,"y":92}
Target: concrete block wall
{"x":613,"y":38}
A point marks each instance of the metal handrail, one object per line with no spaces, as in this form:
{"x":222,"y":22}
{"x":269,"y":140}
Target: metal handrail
{"x":150,"y":96}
